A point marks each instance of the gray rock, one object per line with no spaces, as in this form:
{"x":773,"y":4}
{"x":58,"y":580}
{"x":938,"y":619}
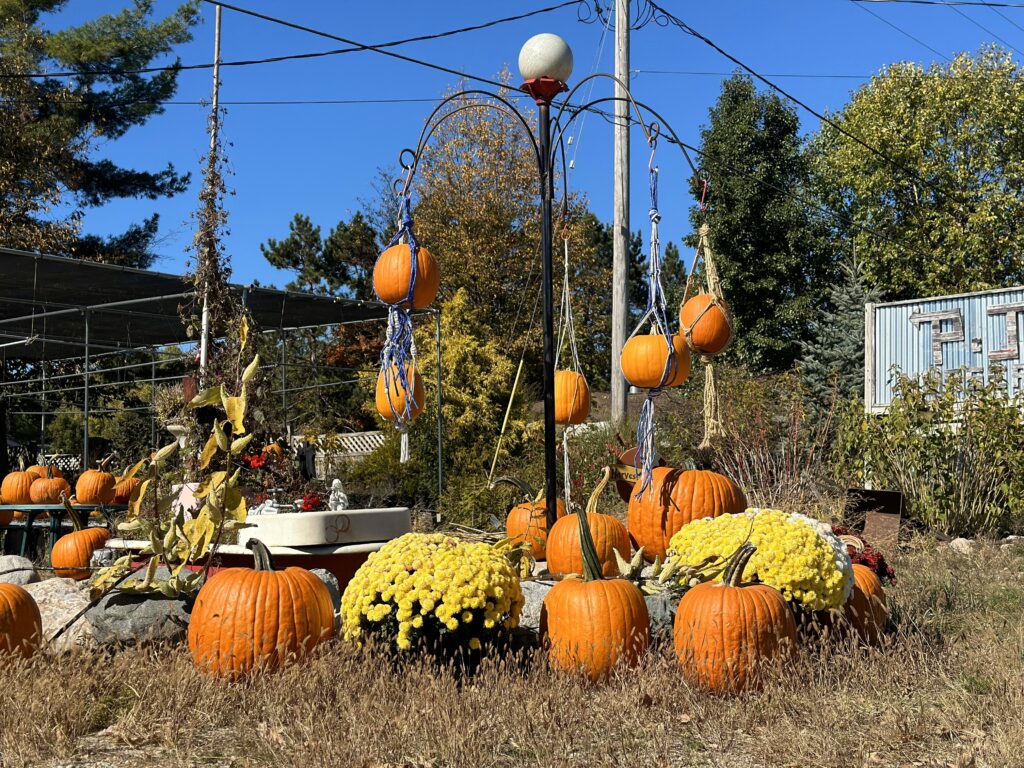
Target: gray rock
{"x":59,"y":601}
{"x":124,"y":618}
{"x":962,"y":546}
{"x":102,"y":557}
{"x":17,"y":570}
{"x":661,"y":609}
{"x":534,"y":593}
{"x":331,"y":582}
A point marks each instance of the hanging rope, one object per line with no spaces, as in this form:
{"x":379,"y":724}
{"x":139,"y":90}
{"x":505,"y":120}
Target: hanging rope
{"x":398,"y":357}
{"x":567,"y":338}
{"x":713,"y":428}
{"x":646,"y":453}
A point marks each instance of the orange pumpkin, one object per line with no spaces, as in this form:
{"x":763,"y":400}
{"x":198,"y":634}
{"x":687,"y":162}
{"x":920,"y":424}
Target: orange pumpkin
{"x":866,"y":611}
{"x":72,"y":553}
{"x":390,"y":395}
{"x":564,"y":546}
{"x":274,"y":452}
{"x":391,"y":277}
{"x":123,"y":489}
{"x":706,"y":324}
{"x":528,"y":521}
{"x":16,"y":488}
{"x":49,"y":489}
{"x":96,"y":486}
{"x":40,"y":471}
{"x":247,"y":620}
{"x":725,"y":634}
{"x":572,"y":398}
{"x":644,"y":358}
{"x":674,"y":498}
{"x":590,"y":625}
{"x":21,"y":627}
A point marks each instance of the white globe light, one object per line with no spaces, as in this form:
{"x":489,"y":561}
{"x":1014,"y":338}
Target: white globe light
{"x":546,"y":55}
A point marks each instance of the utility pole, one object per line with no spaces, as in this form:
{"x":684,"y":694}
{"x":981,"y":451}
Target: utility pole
{"x":620,"y":226}
{"x":204,"y":337}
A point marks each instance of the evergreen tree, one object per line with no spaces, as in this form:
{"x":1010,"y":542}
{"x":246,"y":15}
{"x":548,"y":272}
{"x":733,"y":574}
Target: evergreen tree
{"x":51,"y":127}
{"x":768,"y":246}
{"x":832,"y":361}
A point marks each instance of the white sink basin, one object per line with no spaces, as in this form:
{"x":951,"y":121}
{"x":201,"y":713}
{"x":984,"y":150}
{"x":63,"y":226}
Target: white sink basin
{"x":316,"y":529}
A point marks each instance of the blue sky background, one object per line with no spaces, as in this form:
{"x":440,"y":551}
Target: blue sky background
{"x":321,"y":159}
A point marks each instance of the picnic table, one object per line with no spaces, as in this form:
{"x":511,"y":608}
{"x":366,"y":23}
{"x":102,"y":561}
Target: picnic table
{"x":56,"y":524}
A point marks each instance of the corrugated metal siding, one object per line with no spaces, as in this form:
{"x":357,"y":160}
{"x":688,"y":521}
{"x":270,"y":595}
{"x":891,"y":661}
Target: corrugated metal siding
{"x":900,"y":345}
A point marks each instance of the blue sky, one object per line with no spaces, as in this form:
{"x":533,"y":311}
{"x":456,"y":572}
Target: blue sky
{"x":321,"y":159}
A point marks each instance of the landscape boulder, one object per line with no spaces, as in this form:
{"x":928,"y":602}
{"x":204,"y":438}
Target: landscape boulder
{"x":331,"y":582}
{"x":534,"y":592}
{"x":17,"y":570}
{"x":59,"y":601}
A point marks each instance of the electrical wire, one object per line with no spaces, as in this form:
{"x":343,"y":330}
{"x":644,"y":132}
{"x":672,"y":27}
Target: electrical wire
{"x":978,"y":3}
{"x":1002,"y":15}
{"x":985,"y":29}
{"x":906,"y":170}
{"x":899,"y":29}
{"x":353,"y":47}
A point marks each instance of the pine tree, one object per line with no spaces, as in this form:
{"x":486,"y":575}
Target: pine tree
{"x":51,"y":127}
{"x":832,"y":361}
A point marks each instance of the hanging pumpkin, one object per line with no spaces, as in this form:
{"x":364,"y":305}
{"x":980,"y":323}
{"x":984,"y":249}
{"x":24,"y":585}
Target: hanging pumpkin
{"x":866,"y":611}
{"x":644,"y":357}
{"x":256,"y":619}
{"x":528,"y":521}
{"x":705,"y":323}
{"x":96,"y":486}
{"x":21,"y":627}
{"x":725,"y":633}
{"x":123,"y":489}
{"x":572,"y":397}
{"x":40,"y":471}
{"x":391,"y":396}
{"x":674,"y":498}
{"x":591,"y":624}
{"x":391,"y":277}
{"x":16,"y":488}
{"x":563,"y":546}
{"x":49,"y":489}
{"x":71,"y":555}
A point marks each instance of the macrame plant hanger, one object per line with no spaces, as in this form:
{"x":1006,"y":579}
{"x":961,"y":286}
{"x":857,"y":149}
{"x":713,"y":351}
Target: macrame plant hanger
{"x":567,"y":340}
{"x":646,"y":452}
{"x":398,"y":357}
{"x":712,"y":286}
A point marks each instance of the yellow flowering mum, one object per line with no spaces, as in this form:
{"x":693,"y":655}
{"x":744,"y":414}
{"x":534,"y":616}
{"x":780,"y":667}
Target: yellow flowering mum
{"x":796,"y":554}
{"x":431,"y":587}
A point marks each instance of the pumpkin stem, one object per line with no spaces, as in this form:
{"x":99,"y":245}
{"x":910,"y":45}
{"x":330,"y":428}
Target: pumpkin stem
{"x":591,"y":562}
{"x":104,"y":463}
{"x":264,"y":561}
{"x":733,"y":575}
{"x":76,"y":519}
{"x":524,"y":488}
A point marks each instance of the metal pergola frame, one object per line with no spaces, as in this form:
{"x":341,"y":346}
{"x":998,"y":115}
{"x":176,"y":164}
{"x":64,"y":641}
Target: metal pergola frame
{"x":24,"y":337}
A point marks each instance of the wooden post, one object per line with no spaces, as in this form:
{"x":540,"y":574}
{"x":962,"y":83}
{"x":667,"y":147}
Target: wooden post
{"x":620,"y":225}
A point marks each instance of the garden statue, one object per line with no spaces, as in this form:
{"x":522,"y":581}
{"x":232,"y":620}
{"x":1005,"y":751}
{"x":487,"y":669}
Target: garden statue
{"x":338,"y":499}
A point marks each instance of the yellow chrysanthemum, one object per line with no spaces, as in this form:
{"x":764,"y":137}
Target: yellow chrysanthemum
{"x":797,"y":555}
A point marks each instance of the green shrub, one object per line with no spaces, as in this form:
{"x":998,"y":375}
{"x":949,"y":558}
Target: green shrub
{"x":955,"y":449}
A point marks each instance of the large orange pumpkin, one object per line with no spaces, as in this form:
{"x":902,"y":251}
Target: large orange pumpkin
{"x":247,"y":620}
{"x":528,"y":521}
{"x":590,"y":625}
{"x":96,"y":486}
{"x":705,"y":324}
{"x":21,"y":628}
{"x":725,"y":634}
{"x":674,"y":498}
{"x":390,"y":395}
{"x":49,"y":489}
{"x":391,"y":277}
{"x":123,"y":489}
{"x":71,"y":555}
{"x":564,"y":546}
{"x":644,"y":358}
{"x":866,"y":611}
{"x":40,"y":471}
{"x":572,"y":397}
{"x":16,"y":488}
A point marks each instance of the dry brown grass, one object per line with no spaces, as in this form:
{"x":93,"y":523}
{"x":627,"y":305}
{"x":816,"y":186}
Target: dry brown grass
{"x":947,"y":690}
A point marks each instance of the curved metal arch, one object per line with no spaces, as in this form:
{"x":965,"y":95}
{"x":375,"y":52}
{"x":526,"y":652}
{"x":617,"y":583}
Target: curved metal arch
{"x":566,"y":102}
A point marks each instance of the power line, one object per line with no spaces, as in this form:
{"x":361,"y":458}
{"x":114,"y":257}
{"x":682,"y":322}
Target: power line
{"x":353,"y":47}
{"x":899,"y":29}
{"x":727,"y":74}
{"x":1002,"y":15}
{"x":985,"y":29}
{"x":906,"y":170}
{"x":977,"y":3}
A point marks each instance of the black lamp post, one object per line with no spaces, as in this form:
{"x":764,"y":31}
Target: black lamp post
{"x":545,"y":63}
